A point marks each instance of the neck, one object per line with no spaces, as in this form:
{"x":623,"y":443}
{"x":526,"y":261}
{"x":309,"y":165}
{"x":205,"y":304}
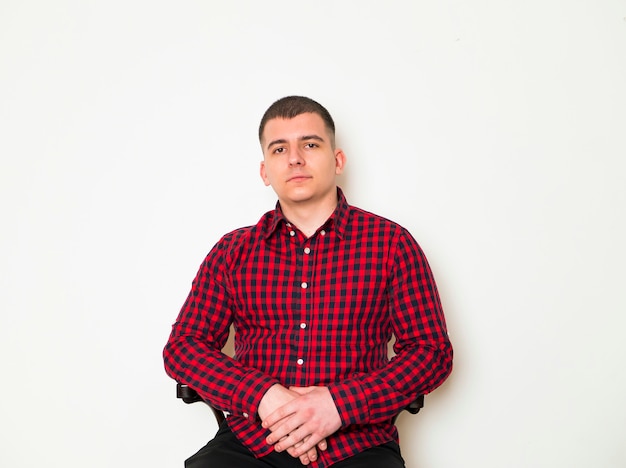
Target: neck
{"x":308,"y":217}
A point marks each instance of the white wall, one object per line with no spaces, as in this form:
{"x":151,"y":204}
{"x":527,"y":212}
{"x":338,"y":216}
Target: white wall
{"x":493,"y":130}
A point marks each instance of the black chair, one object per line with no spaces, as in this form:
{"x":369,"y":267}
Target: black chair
{"x":189,"y":395}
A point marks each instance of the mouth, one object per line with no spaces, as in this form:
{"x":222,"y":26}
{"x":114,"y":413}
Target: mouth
{"x":298,"y":178}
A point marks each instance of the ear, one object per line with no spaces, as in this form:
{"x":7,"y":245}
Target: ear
{"x":263,"y":174}
{"x":340,"y":161}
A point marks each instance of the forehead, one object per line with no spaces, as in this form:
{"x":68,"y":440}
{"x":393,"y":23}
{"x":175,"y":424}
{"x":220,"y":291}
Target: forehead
{"x":301,"y":125}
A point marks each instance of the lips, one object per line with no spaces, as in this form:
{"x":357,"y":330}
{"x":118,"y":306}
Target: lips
{"x":298,"y":178}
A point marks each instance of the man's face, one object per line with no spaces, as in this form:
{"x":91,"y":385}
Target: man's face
{"x":300,"y":162}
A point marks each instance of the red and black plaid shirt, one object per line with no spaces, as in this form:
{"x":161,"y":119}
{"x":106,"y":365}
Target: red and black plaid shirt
{"x":314,"y":311}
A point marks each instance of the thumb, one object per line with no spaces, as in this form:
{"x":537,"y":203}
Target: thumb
{"x":301,"y":390}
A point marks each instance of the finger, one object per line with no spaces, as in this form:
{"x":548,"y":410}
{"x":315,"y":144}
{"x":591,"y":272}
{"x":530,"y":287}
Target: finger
{"x":290,"y":446}
{"x":281,"y":413}
{"x":322,"y":445}
{"x":285,"y":429}
{"x":281,"y":433}
{"x":311,"y":454}
{"x":297,"y":453}
{"x":309,"y":457}
{"x":305,"y":460}
{"x":303,"y":444}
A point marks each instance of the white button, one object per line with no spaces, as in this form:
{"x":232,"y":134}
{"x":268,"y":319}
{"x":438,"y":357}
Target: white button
{"x":304,"y":285}
{"x":245,"y":415}
{"x":292,"y":233}
{"x":322,"y":232}
{"x":307,"y":250}
{"x":288,"y":224}
{"x":300,"y":361}
{"x":303,"y":325}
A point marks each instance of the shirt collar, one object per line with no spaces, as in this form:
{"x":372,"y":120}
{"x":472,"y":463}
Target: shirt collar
{"x":337,"y":221}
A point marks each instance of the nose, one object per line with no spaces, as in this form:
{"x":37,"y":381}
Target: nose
{"x":295,"y":158}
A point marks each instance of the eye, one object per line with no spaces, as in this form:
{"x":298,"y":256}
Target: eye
{"x":311,"y":145}
{"x":278,"y":150}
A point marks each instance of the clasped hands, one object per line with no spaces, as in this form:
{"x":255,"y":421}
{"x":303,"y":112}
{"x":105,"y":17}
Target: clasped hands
{"x":299,"y":419}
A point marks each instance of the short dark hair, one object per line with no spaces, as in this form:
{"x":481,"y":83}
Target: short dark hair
{"x":292,"y":106}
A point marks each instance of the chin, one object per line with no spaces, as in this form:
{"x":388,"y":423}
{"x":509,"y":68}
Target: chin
{"x":297,"y":195}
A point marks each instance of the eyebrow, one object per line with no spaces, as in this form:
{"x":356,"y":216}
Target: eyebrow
{"x":302,"y":138}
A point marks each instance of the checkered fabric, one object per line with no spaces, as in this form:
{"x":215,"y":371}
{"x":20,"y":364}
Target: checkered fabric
{"x":314,"y":311}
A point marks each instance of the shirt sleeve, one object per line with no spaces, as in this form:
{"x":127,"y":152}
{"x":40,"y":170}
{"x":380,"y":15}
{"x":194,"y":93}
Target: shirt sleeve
{"x":193,"y":354}
{"x":423,"y":352}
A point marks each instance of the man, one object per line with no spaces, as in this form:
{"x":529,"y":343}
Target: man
{"x":315,"y":291}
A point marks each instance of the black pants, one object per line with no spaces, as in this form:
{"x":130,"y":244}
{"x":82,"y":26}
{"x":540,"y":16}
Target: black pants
{"x":225,"y":451}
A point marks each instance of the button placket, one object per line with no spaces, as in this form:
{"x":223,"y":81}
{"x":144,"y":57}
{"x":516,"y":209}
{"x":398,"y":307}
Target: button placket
{"x":306,"y":260}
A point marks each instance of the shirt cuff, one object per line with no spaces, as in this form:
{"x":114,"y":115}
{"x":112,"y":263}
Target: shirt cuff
{"x":351,"y":402}
{"x":248,"y":393}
